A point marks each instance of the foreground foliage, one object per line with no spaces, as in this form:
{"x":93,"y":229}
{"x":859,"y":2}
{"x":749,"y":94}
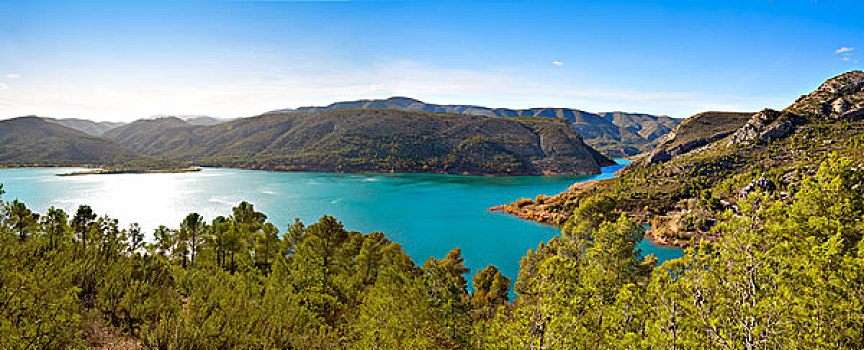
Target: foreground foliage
{"x":787,"y":274}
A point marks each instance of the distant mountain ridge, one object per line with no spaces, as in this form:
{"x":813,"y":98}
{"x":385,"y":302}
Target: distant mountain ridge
{"x":371,"y":140}
{"x":149,"y":132}
{"x":345,"y":140}
{"x":86,"y":126}
{"x":95,"y":128}
{"x":617,"y":134}
{"x":32,"y":141}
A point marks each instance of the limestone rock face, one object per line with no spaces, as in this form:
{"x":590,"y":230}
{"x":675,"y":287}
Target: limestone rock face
{"x":764,"y":126}
{"x":841,"y":97}
{"x":693,"y":134}
{"x":777,"y":130}
{"x":839,"y":106}
{"x":749,"y":131}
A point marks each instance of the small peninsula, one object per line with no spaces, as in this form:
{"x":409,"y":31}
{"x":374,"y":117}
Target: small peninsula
{"x":130,"y":171}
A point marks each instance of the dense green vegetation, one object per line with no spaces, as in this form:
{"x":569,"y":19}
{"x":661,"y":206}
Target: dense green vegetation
{"x":786,"y":274}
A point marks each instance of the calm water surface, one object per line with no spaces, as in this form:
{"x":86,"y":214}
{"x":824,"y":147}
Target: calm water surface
{"x":429,"y":214}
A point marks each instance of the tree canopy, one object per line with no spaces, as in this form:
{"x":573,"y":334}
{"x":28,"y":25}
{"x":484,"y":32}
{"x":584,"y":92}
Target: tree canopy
{"x":788,"y":273}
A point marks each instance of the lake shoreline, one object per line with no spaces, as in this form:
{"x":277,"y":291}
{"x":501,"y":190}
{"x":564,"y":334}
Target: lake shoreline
{"x":101,"y":170}
{"x":545,"y":218}
{"x":391,"y":171}
{"x":533,"y":210}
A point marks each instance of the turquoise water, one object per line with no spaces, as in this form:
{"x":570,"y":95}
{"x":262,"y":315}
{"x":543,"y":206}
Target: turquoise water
{"x":429,"y":214}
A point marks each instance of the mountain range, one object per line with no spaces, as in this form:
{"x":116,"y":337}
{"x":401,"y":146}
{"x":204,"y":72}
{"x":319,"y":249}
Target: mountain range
{"x":95,"y":128}
{"x":88,"y":127}
{"x":346,"y":140}
{"x":33,"y":141}
{"x":616,"y":134}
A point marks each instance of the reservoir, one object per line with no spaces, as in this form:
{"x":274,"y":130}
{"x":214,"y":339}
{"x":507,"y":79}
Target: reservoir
{"x":428,"y":214}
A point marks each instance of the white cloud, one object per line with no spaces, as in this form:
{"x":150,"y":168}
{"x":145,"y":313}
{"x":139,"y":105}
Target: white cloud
{"x":558,"y":63}
{"x":3,"y":86}
{"x":843,"y":50}
{"x":846,"y":58}
{"x":13,"y":76}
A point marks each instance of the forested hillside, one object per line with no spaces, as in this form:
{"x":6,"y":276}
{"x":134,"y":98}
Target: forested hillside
{"x":363,"y":140}
{"x":782,"y":275}
{"x":156,"y":134}
{"x":371,"y":140}
{"x":32,"y":141}
{"x":616,"y":134}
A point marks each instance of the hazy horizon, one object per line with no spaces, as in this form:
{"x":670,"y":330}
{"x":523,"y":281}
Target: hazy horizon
{"x":122,"y":61}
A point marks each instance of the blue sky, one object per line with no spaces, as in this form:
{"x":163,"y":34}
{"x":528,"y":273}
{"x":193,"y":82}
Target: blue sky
{"x":128,"y":59}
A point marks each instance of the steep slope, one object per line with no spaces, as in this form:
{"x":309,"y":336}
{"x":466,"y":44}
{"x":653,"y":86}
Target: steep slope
{"x":34,"y":141}
{"x":694,"y":132}
{"x":86,"y":126}
{"x":148,"y":135}
{"x":770,"y":152}
{"x":617,"y":134}
{"x":365,"y":140}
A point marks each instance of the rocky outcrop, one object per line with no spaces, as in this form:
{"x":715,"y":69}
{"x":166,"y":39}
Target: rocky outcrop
{"x":764,"y":126}
{"x":841,"y":97}
{"x":838,"y":98}
{"x":664,"y":154}
{"x":531,"y":213}
{"x":695,"y":132}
